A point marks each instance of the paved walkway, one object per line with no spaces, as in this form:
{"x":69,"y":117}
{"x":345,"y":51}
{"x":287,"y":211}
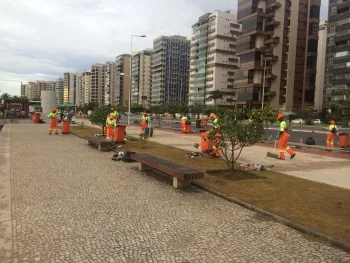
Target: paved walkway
{"x":71,"y":203}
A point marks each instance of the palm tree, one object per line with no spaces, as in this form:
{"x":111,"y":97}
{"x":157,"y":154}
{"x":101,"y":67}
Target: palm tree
{"x":214,"y":95}
{"x":6,"y":96}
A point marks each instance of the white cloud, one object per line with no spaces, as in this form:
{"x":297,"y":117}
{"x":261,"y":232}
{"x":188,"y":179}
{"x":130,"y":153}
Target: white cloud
{"x":54,"y":36}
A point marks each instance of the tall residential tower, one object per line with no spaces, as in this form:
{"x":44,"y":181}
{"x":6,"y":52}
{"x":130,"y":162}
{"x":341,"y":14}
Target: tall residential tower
{"x":213,"y":59}
{"x":170,"y":70}
{"x":278,"y":53}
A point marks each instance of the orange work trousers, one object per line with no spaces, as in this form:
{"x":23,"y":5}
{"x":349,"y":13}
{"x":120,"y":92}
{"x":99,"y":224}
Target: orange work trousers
{"x":53,"y":125}
{"x":330,"y":139}
{"x":283,"y":145}
{"x":110,"y":131}
{"x":143,"y":126}
{"x":183,"y":125}
{"x":216,"y":144}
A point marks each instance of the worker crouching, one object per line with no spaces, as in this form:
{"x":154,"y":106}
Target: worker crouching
{"x":111,"y":124}
{"x":333,"y":129}
{"x":53,"y":116}
{"x":284,"y":138}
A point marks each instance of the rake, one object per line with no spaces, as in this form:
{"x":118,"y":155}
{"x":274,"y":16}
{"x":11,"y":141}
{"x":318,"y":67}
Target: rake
{"x":273,"y":154}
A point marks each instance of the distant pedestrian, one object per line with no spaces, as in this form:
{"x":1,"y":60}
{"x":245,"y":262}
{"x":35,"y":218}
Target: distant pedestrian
{"x":333,"y":129}
{"x":54,"y":121}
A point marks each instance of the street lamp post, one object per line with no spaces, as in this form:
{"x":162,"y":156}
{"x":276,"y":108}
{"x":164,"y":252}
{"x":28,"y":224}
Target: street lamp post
{"x":263,"y":89}
{"x":131,"y":74}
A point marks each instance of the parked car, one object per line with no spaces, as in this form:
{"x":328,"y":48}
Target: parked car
{"x":316,"y":121}
{"x":299,"y":121}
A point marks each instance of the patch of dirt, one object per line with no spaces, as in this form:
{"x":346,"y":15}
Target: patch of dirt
{"x":235,"y":175}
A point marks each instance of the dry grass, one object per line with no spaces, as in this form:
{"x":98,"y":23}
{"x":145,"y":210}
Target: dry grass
{"x":322,"y":207}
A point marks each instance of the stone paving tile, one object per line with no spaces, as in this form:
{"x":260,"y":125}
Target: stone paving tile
{"x":71,"y":203}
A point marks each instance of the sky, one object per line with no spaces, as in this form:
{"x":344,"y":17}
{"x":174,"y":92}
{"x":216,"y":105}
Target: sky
{"x":42,"y":39}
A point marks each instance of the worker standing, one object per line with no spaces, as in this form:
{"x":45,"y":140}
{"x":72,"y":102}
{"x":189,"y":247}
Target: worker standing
{"x":216,"y":132}
{"x":114,"y":113}
{"x":284,"y":138}
{"x":54,"y":121}
{"x":144,"y":122}
{"x":111,"y":123}
{"x":333,"y":129}
{"x":183,"y":122}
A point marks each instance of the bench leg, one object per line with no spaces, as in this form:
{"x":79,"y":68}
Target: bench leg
{"x":180,"y":184}
{"x":143,"y":167}
{"x":102,"y":148}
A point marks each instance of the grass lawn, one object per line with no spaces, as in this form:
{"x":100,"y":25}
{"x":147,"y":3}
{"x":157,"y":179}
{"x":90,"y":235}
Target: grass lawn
{"x":320,"y":206}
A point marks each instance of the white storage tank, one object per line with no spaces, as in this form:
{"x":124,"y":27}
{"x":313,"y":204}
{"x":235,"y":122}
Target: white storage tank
{"x":48,"y":101}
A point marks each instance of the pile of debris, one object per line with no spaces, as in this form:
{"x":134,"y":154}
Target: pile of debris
{"x":255,"y":167}
{"x":194,"y":154}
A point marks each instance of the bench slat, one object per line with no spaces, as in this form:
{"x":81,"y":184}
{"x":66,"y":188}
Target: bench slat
{"x":171,"y":168}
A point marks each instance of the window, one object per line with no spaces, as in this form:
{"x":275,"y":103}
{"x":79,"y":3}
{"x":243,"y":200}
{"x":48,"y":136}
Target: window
{"x":331,"y":29}
{"x":312,"y":45}
{"x":330,"y":60}
{"x":333,"y":9}
{"x":330,"y":40}
{"x":315,"y":11}
{"x":341,"y":54}
{"x":313,"y":29}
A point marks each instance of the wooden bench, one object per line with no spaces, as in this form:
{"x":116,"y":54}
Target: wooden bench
{"x":182,"y":176}
{"x":99,"y":141}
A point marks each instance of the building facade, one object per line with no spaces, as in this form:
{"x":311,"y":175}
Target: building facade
{"x":141,"y":77}
{"x":86,"y":86}
{"x":72,"y":88}
{"x":110,"y":84}
{"x":170,"y":70}
{"x":321,"y":65}
{"x":213,"y":59}
{"x":97,"y":84}
{"x":60,"y":91}
{"x":123,"y":80}
{"x":66,"y":87}
{"x":79,"y":90}
{"x":32,"y":90}
{"x":337,"y":78}
{"x":277,"y":49}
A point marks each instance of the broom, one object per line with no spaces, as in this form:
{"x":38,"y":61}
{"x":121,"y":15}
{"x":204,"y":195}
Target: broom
{"x":272,"y":154}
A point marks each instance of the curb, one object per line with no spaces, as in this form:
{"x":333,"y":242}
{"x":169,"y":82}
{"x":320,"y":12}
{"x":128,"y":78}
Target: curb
{"x":302,"y":228}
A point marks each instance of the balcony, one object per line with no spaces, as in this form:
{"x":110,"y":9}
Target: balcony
{"x":272,"y":41}
{"x":270,"y":76}
{"x":270,"y":15}
{"x":273,"y":22}
{"x":273,"y":3}
{"x":272,"y":58}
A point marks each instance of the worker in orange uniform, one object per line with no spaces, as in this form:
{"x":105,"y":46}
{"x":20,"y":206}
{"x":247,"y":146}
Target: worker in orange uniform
{"x":333,"y":129}
{"x":144,"y":122}
{"x":283,"y":138}
{"x":114,"y":113}
{"x":111,"y":123}
{"x":183,"y":122}
{"x":54,"y":121}
{"x":216,"y":132}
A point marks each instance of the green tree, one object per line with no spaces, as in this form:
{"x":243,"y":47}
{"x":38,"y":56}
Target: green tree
{"x":137,"y":108}
{"x":99,"y":116}
{"x":343,"y":108}
{"x":236,"y":135}
{"x":214,"y":95}
{"x":6,"y":96}
{"x":266,"y":115}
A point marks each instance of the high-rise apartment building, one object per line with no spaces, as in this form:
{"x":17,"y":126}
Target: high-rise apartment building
{"x":24,"y":90}
{"x":97,"y":84}
{"x":69,"y":87}
{"x":278,"y":38}
{"x":123,"y":80}
{"x":110,"y":83}
{"x":170,"y":70}
{"x":141,"y":77}
{"x":337,"y":79}
{"x":79,"y":90}
{"x":60,"y":91}
{"x":72,"y":88}
{"x":86,"y":86}
{"x":213,"y":59}
{"x":32,"y":90}
{"x":321,"y":65}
